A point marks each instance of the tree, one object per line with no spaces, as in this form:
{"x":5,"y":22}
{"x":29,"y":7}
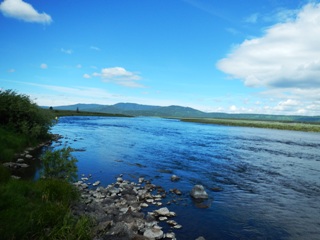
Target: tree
{"x":59,"y":164}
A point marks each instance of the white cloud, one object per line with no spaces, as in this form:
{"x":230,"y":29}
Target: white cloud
{"x":288,"y":55}
{"x":23,"y":11}
{"x":43,"y":66}
{"x":285,"y":62}
{"x":86,"y":75}
{"x":12,"y":70}
{"x":79,"y":66}
{"x":119,"y":76}
{"x":67,"y":51}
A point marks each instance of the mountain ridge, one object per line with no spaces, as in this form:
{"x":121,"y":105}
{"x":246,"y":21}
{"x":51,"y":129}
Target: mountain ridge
{"x":174,"y":111}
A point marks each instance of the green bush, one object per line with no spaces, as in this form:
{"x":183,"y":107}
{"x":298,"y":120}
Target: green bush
{"x":59,"y":164}
{"x":23,"y":116}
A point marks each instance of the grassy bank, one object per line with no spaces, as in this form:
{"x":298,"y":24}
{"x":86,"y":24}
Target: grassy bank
{"x":35,"y":209}
{"x":306,"y":127}
{"x":40,"y":210}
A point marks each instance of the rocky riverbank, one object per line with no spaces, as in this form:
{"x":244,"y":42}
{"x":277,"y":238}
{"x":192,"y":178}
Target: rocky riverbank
{"x":27,"y":158}
{"x":120,"y":210}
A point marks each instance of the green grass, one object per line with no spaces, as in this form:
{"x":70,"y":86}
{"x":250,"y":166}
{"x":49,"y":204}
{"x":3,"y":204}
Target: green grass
{"x":40,"y":210}
{"x":295,"y":126}
{"x":11,"y":143}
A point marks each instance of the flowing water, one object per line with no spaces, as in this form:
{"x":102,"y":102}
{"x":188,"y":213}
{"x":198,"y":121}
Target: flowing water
{"x":262,"y":183}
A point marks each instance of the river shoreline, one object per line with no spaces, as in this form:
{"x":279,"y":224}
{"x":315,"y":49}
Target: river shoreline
{"x":292,"y":126}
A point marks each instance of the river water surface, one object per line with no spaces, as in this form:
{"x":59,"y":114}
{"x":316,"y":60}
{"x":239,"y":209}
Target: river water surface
{"x":262,"y":183}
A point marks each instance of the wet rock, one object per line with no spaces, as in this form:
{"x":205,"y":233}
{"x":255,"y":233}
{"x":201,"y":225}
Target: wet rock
{"x":29,"y":156}
{"x":162,"y":211}
{"x":96,"y":183}
{"x":153,"y":233}
{"x":175,"y":178}
{"x":198,"y":192}
{"x":200,"y":238}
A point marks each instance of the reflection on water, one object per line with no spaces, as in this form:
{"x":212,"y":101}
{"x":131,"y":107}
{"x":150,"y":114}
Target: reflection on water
{"x":270,"y":179}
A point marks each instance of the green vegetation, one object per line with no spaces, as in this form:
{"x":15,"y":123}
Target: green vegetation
{"x":22,"y":124}
{"x":295,"y":126}
{"x":40,"y":209}
{"x":59,"y":164}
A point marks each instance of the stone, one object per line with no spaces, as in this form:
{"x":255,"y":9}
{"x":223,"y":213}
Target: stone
{"x":162,"y":211}
{"x":96,"y":183}
{"x":200,"y":238}
{"x":20,"y":160}
{"x":175,"y":178}
{"x":198,"y":192}
{"x":28,"y":156}
{"x":15,"y":177}
{"x":153,"y":233}
{"x":171,"y":235}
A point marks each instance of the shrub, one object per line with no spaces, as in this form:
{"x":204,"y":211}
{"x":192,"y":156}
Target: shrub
{"x":59,"y":164}
{"x":23,"y":116}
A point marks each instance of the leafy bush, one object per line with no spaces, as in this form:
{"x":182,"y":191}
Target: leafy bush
{"x":23,"y":116}
{"x":59,"y":164}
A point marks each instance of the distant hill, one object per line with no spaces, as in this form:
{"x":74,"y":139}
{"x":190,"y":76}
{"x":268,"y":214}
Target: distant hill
{"x":134,"y":109}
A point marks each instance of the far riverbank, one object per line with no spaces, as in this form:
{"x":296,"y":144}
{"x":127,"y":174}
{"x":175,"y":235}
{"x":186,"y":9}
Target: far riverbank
{"x":294,"y":126}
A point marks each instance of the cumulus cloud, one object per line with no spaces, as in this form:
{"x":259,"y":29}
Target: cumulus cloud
{"x":287,"y":56}
{"x":119,"y":76}
{"x":43,"y":66}
{"x":23,"y":11}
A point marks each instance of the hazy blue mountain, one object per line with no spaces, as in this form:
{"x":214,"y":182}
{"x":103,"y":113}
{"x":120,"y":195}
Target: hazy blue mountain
{"x":134,"y":109}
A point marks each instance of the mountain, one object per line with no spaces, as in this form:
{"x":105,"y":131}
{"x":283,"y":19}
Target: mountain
{"x":134,"y":109}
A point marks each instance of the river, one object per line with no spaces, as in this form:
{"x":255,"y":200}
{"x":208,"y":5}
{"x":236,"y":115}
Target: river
{"x":262,"y":183}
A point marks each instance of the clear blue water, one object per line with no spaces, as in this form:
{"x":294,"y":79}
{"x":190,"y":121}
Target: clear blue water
{"x":270,"y":179}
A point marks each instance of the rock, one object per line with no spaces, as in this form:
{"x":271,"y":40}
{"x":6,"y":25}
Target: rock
{"x":175,"y":178}
{"x":15,"y":177}
{"x":96,"y":183}
{"x":171,"y":235}
{"x":198,"y":192}
{"x":153,"y":233}
{"x":200,"y":238}
{"x":29,"y":156}
{"x":23,"y":165}
{"x":163,"y":211}
{"x":178,"y":226}
{"x":20,"y":160}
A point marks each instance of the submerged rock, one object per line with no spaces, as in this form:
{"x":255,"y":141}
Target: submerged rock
{"x":198,"y":192}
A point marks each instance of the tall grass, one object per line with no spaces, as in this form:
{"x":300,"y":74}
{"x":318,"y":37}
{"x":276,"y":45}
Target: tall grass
{"x":11,"y":143}
{"x":40,"y":210}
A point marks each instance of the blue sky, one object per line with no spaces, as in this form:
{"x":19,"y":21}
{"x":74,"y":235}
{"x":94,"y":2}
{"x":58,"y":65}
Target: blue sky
{"x":216,"y":56}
